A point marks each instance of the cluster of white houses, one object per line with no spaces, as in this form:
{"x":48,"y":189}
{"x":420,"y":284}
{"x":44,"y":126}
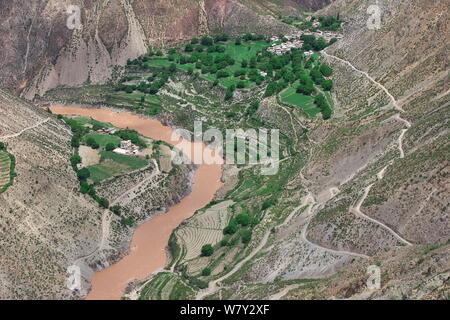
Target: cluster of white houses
{"x":126,"y":148}
{"x":293,"y":41}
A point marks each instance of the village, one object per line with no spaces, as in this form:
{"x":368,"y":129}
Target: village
{"x":280,"y":47}
{"x":126,"y":148}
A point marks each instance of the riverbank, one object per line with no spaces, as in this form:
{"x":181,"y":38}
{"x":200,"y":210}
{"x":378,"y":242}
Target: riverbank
{"x":147,"y":251}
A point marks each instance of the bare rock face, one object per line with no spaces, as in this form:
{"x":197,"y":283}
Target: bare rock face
{"x":41,"y":52}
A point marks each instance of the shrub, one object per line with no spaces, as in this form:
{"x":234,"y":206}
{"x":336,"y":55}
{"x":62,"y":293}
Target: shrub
{"x":103,"y":202}
{"x":84,"y":187}
{"x":110,"y":146}
{"x":246,"y":235}
{"x":229,"y":94}
{"x":327,"y":85}
{"x":74,"y":160}
{"x":206,"y":41}
{"x":2,"y":146}
{"x":207,"y":250}
{"x":223,"y":242}
{"x":231,"y":228}
{"x":243,"y":219}
{"x":83,"y":174}
{"x":206,"y":272}
{"x":326,"y":70}
{"x":92,"y":143}
{"x":268,"y":203}
{"x":240,"y":84}
{"x":198,"y":283}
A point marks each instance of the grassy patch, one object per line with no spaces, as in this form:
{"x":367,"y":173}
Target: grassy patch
{"x":102,"y":139}
{"x":306,"y":103}
{"x":112,"y":164}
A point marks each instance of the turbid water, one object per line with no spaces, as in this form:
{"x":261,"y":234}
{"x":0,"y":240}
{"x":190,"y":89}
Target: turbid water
{"x":147,"y":253}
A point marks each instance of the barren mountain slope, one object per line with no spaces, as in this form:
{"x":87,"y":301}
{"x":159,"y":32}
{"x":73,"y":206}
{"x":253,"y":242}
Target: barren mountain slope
{"x":45,"y":223}
{"x":410,"y":192}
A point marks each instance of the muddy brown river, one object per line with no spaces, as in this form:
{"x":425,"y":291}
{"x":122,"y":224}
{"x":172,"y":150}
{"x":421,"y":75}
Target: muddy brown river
{"x":147,"y":253}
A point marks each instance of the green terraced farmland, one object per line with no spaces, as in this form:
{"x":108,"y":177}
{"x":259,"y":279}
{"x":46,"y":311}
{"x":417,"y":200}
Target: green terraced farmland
{"x":103,"y":139}
{"x":306,"y":103}
{"x":86,"y":120}
{"x":166,"y":286}
{"x":112,"y":164}
{"x":5,"y":167}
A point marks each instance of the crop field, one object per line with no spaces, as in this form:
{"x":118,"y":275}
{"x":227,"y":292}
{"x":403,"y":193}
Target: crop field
{"x":204,"y":228}
{"x":306,"y":103}
{"x":166,"y":286}
{"x":103,"y":139}
{"x":86,"y":120}
{"x":5,"y":163}
{"x":112,"y":164}
{"x":133,"y":101}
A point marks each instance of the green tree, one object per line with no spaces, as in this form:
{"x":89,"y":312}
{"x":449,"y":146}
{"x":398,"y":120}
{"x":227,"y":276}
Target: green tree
{"x":206,"y":41}
{"x":206,"y":272}
{"x":103,"y":202}
{"x":75,"y":142}
{"x":207,"y":250}
{"x":2,"y":146}
{"x":327,"y":85}
{"x":84,"y":187}
{"x":243,"y":219}
{"x":231,"y":228}
{"x":240,"y":84}
{"x":172,"y":68}
{"x":110,"y":146}
{"x":75,"y":159}
{"x":246,"y":235}
{"x":83,"y":174}
{"x":326,"y":70}
{"x":92,"y":143}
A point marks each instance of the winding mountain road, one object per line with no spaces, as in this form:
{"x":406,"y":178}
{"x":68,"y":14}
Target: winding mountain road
{"x":15,"y":135}
{"x":357,"y":209}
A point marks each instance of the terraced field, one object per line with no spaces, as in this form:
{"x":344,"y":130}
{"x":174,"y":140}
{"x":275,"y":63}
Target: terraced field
{"x":103,"y":139}
{"x":204,"y":228}
{"x":166,"y":286}
{"x":86,"y":120}
{"x":5,"y":164}
{"x":306,"y":103}
{"x":112,"y":164}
